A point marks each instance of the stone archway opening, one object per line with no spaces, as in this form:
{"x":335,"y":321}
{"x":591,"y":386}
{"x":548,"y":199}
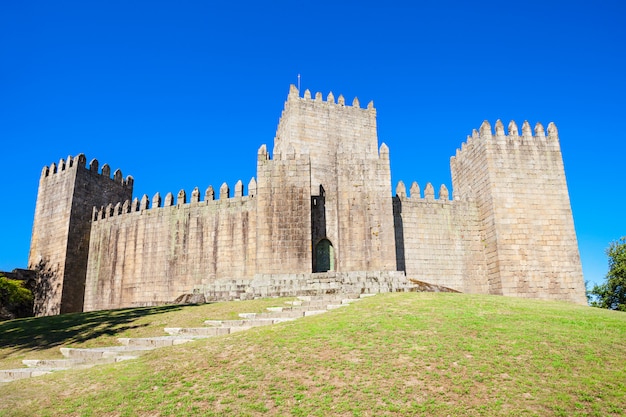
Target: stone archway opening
{"x":324,"y":256}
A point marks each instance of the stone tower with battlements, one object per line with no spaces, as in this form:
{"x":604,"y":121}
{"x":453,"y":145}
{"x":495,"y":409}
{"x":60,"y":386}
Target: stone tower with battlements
{"x":518,"y":182}
{"x":67,"y":194}
{"x":319,"y":217}
{"x":349,"y":181}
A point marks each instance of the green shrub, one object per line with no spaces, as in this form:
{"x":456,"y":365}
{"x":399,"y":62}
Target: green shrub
{"x":15,"y":300}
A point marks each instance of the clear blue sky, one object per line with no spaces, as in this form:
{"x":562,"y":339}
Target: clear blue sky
{"x":181,"y":94}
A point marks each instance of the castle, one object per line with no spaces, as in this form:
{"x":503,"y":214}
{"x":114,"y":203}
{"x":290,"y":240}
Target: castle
{"x":319,"y":217}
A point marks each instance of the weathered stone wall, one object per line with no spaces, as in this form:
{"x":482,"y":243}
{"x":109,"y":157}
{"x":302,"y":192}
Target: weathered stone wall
{"x":342,"y":143}
{"x":519,"y":184}
{"x":61,"y":229}
{"x":149,"y":256}
{"x":48,"y":246}
{"x":472,"y":180}
{"x":366,"y":240}
{"x":439,"y":241}
{"x":284,"y":213}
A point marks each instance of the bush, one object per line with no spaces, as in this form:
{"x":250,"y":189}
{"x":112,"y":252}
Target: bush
{"x":15,"y":299}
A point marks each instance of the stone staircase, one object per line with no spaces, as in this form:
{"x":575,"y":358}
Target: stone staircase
{"x":131,"y":348}
{"x":307,"y":284}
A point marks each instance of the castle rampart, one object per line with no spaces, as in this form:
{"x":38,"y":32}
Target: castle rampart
{"x":320,"y":216}
{"x":439,"y":240}
{"x":153,"y":255}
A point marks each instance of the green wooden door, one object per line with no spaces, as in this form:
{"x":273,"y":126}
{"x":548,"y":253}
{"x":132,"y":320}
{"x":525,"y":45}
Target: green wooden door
{"x":324,"y":256}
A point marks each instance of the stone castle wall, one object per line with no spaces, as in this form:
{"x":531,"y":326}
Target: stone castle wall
{"x":322,"y":204}
{"x":366,"y":240}
{"x":439,"y":241}
{"x":141,"y":255}
{"x":284,"y":213}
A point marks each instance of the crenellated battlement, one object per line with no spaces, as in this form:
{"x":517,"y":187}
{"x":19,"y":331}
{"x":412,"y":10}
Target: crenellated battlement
{"x":318,"y":129}
{"x":415,"y":192}
{"x":294,"y":94}
{"x":80,"y":162}
{"x":485,"y":131}
{"x":145,"y":203}
{"x":529,"y":138}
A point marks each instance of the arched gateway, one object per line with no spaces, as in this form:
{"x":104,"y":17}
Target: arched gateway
{"x":324,"y":256}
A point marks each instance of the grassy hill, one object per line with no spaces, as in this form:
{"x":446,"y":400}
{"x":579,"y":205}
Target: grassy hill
{"x":393,"y":354}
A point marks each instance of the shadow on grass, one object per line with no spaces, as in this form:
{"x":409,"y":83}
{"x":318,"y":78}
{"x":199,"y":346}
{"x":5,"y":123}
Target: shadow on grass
{"x":45,"y":332}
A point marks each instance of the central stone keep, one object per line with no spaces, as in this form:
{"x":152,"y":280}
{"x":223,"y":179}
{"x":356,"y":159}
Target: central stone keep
{"x":320,"y":218}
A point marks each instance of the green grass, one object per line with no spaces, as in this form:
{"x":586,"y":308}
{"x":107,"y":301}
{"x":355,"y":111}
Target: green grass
{"x":394,"y":354}
{"x":41,"y":337}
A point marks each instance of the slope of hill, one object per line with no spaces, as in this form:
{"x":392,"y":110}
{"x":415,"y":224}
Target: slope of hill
{"x":393,"y":354}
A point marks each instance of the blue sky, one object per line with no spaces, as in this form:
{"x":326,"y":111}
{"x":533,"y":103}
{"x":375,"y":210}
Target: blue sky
{"x":181,"y":94}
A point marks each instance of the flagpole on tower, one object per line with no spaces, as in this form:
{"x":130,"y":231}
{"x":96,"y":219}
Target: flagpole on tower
{"x":298,"y":82}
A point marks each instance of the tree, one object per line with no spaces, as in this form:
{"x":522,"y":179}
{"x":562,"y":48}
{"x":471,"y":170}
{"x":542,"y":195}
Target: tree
{"x":612,"y":293}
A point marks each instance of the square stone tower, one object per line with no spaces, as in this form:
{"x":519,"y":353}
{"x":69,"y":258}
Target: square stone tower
{"x":518,"y":183}
{"x":333,"y":149}
{"x":59,"y":246}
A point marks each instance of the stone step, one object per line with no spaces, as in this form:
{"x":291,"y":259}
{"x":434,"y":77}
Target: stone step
{"x":273,"y":315}
{"x":248,"y":323}
{"x":56,"y":364}
{"x":327,"y":305}
{"x":327,"y":297}
{"x":241,"y":328}
{"x":314,"y":303}
{"x":197,"y":331}
{"x":113,"y":353}
{"x":247,"y":315}
{"x":342,"y":294}
{"x":282,"y":314}
{"x":157,"y":341}
{"x":314,"y":312}
{"x":296,"y":308}
{"x":278,"y":309}
{"x":8,"y":375}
